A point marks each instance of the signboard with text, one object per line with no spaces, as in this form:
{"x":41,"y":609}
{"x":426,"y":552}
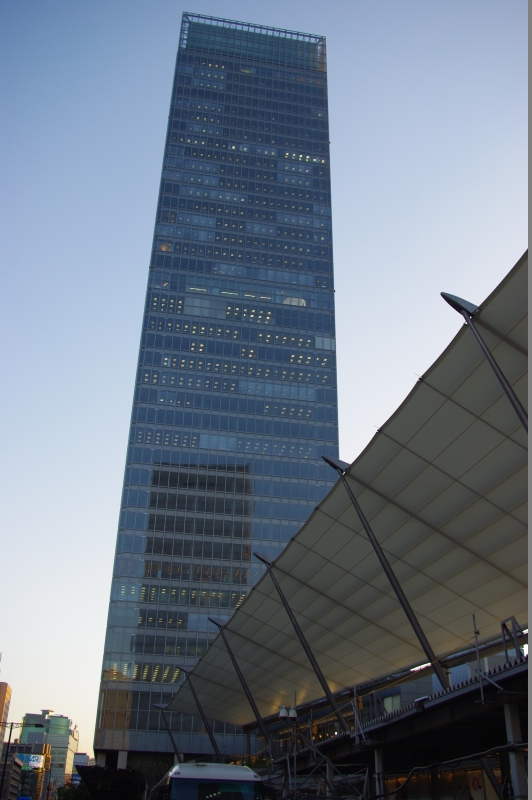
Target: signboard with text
{"x":31,"y":761}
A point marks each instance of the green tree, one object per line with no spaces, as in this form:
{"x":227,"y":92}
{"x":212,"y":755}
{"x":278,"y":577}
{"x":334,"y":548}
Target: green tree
{"x":72,"y":791}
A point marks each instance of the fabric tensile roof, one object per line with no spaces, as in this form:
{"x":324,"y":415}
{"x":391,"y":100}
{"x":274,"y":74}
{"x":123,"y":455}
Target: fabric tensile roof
{"x":443,"y":484}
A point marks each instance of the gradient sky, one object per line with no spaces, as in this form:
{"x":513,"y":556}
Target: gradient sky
{"x":429,"y":166}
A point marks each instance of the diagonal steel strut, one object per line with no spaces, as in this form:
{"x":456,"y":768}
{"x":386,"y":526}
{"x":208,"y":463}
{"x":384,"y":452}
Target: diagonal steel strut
{"x":468,"y":311}
{"x":203,"y":716}
{"x":341,"y":468}
{"x":305,"y":644}
{"x":220,"y":625}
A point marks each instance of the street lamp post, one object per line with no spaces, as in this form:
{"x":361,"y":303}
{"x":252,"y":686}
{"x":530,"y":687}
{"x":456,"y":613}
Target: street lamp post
{"x":12,"y":725}
{"x":468,"y":311}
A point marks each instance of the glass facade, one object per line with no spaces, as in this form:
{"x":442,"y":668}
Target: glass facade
{"x":235,"y":399}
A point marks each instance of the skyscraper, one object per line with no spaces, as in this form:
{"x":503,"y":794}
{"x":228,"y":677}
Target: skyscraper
{"x":57,"y":731}
{"x":235,"y":397}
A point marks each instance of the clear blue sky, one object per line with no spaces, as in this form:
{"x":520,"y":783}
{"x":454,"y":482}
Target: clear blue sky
{"x":429,"y":159}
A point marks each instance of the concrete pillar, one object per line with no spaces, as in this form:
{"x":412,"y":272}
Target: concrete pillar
{"x":435,"y":783}
{"x":122,"y":759}
{"x":100,"y":759}
{"x":329,"y":772}
{"x":366,"y":789}
{"x":506,"y":778}
{"x":379,"y":772}
{"x":517,"y":759}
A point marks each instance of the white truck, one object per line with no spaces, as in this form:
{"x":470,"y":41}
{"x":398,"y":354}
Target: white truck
{"x":202,"y":781}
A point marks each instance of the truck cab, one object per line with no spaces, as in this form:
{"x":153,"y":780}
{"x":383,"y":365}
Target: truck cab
{"x":203,"y":781}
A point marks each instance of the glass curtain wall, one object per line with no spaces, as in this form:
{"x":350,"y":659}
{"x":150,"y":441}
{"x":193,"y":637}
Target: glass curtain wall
{"x":235,"y":398}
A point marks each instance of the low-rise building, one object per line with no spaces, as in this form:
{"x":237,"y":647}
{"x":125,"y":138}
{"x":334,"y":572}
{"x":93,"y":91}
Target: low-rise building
{"x":36,"y":763}
{"x":9,"y":775}
{"x":81,"y":760}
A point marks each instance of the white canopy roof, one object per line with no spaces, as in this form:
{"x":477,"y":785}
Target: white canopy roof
{"x":443,"y":485}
